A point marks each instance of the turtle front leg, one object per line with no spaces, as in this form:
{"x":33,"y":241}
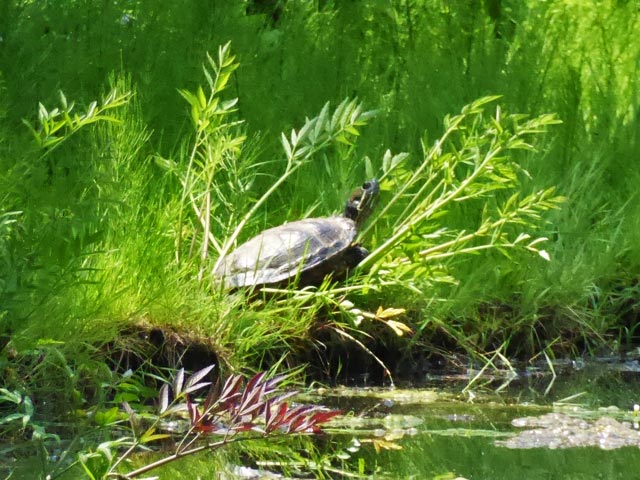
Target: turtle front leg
{"x":354,"y":255}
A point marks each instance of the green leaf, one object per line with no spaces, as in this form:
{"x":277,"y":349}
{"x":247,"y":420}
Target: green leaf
{"x":207,"y":75}
{"x":202,"y":100}
{"x":63,"y":100}
{"x":221,"y":81}
{"x":91,"y":110}
{"x":14,"y":416}
{"x":286,"y":145}
{"x":188,"y":96}
{"x":150,"y":436}
{"x":352,"y":130}
{"x":49,"y":142}
{"x":43,"y":115}
{"x":544,"y":254}
{"x":342,"y":138}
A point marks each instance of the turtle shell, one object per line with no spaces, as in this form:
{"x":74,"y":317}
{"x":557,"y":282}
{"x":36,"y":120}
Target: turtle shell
{"x":306,"y":249}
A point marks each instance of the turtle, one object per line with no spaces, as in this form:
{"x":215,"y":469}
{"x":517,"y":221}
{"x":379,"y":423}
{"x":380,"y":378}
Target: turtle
{"x":304,"y":251}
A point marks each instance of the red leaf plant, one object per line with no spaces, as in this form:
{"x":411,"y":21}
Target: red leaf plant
{"x":258,"y":405}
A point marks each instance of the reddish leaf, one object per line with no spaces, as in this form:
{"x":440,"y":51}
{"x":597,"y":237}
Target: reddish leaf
{"x":274,"y":421}
{"x":272,"y":384}
{"x":178,"y":382}
{"x":296,"y":423}
{"x":324,"y":416}
{"x":194,"y":414}
{"x":196,"y":386}
{"x":247,"y":408}
{"x":253,"y":407}
{"x":284,"y":396}
{"x":268,"y":405}
{"x":205,"y":428}
{"x":230,"y":392}
{"x":299,"y":411}
{"x":255,"y":380}
{"x":231,"y":387}
{"x":252,"y":398}
{"x":245,"y":426}
{"x":164,"y":398}
{"x":209,"y":400}
{"x":282,"y":412}
{"x":196,"y":377}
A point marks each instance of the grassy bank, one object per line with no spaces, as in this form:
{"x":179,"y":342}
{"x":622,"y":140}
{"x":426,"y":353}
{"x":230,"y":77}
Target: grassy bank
{"x":89,"y":225}
{"x":114,"y":213}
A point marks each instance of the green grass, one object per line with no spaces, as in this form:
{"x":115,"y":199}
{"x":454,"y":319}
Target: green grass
{"x":89,"y":227}
{"x":103,"y":221}
{"x":78,"y":216}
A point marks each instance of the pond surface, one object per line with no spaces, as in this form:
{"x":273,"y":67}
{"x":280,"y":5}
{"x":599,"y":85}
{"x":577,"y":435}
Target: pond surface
{"x":584,"y":427}
{"x":530,"y":424}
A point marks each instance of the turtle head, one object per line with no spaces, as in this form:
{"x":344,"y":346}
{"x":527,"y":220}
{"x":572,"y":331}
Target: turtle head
{"x":361,"y":202}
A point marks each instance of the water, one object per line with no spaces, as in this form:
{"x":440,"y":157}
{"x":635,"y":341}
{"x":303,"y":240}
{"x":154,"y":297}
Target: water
{"x":528,"y":426}
{"x":427,"y":456}
{"x":576,"y":431}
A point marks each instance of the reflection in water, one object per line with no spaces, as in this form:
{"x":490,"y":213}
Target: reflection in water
{"x":419,"y":433}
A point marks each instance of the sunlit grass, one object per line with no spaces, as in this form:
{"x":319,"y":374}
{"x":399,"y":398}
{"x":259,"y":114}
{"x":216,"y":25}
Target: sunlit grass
{"x":407,"y":71}
{"x":123,"y":192}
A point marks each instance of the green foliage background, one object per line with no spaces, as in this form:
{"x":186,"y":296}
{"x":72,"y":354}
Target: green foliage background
{"x":87,"y":231}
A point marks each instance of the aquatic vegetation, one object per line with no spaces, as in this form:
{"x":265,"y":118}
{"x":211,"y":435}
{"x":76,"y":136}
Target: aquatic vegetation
{"x":102,"y":440}
{"x":557,"y":430}
{"x":238,"y":411}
